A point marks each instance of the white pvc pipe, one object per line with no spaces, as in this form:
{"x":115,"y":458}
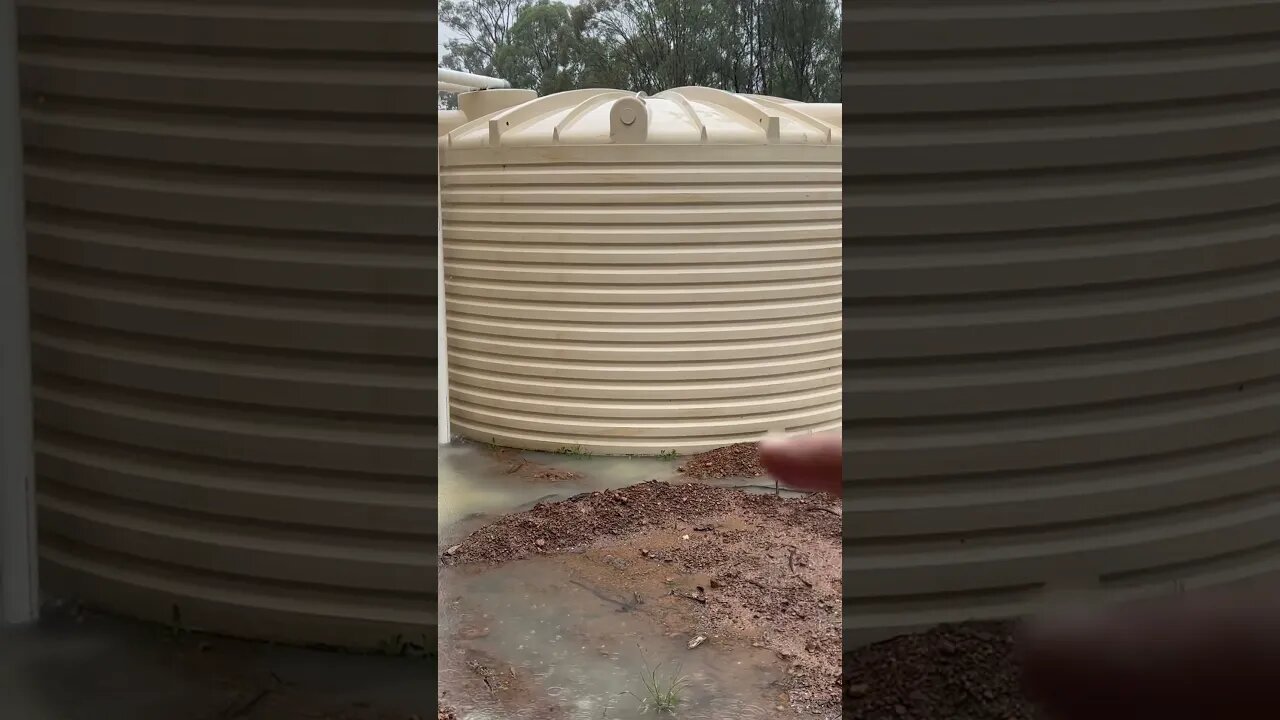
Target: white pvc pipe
{"x":453,"y":87}
{"x":471,"y":81}
{"x":442,"y":343}
{"x":19,"y":586}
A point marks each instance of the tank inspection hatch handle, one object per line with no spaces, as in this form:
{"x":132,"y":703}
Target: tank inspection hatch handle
{"x":629,"y":120}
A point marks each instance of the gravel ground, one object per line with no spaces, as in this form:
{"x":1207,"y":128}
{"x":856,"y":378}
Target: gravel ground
{"x":734,"y":461}
{"x":957,"y":672}
{"x":772,"y":565}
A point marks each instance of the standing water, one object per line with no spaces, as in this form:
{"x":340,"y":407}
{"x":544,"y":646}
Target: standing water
{"x":543,"y":638}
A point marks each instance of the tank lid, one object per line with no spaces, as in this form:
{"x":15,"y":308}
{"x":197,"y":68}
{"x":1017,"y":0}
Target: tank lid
{"x":682,"y":116}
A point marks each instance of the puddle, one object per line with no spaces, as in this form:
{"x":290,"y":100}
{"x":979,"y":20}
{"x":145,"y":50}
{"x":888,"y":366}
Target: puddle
{"x":476,"y":486}
{"x":566,"y":644}
{"x":550,"y":634}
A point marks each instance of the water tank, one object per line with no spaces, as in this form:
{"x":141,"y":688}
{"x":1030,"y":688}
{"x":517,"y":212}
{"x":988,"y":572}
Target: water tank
{"x":232,"y":332}
{"x":640,"y":275}
{"x":1062,"y":360}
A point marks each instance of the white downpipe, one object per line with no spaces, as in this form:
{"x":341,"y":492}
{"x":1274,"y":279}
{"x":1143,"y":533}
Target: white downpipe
{"x":469,"y":81}
{"x":19,"y":581}
{"x":442,"y":344}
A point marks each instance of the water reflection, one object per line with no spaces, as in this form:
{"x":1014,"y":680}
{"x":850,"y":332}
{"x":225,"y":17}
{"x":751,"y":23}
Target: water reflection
{"x":585,"y":659}
{"x":591,"y":659}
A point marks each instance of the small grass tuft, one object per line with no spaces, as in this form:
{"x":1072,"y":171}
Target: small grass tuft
{"x":668,"y":455}
{"x":575,"y":451}
{"x":663,"y":693}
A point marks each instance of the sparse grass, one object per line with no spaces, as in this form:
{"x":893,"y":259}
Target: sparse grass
{"x":668,"y":455}
{"x":575,"y":451}
{"x":663,"y":693}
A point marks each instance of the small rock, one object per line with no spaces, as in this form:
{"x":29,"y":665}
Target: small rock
{"x":540,"y":542}
{"x":715,"y":583}
{"x":697,"y":641}
{"x":453,"y":550}
{"x":684,"y":537}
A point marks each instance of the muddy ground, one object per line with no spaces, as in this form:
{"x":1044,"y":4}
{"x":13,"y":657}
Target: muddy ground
{"x":711,"y":565}
{"x":966,"y":672}
{"x":77,"y":664}
{"x":513,"y":462}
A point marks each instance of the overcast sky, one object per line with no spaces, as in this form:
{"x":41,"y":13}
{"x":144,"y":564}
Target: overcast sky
{"x":446,"y":34}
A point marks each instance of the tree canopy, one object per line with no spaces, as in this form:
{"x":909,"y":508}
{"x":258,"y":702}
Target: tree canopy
{"x":786,"y":48}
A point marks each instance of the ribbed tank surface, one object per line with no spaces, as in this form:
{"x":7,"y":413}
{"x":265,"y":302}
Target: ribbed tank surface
{"x":1062,"y":303}
{"x":233,"y":315}
{"x":632,"y":275}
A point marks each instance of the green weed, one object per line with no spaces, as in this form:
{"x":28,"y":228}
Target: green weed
{"x":663,"y":693}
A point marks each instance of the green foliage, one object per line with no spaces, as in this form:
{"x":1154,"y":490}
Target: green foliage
{"x":663,"y":693}
{"x":787,"y":48}
{"x":541,"y":54}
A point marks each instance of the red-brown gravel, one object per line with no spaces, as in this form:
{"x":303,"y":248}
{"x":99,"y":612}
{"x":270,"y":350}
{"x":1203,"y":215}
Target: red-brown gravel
{"x":965,"y":672}
{"x":733,"y":461}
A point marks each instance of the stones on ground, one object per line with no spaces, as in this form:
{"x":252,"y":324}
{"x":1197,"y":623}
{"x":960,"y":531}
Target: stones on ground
{"x":733,"y":461}
{"x":696,"y":641}
{"x":753,"y":586}
{"x":954,"y":671}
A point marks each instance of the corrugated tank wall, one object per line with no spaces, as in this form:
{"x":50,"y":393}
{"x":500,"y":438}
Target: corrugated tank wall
{"x":641,"y":298}
{"x":1062,"y":351}
{"x":233,"y":319}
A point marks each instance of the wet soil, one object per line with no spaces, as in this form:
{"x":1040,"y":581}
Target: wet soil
{"x":967,"y":671}
{"x":516,"y":463}
{"x":733,"y":461}
{"x":715,"y":567}
{"x":507,"y":687}
{"x":270,"y":695}
{"x":78,"y":664}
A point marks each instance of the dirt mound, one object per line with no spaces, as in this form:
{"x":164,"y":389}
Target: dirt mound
{"x":713,"y":563}
{"x":959,"y":671}
{"x":585,"y":518}
{"x":733,"y":461}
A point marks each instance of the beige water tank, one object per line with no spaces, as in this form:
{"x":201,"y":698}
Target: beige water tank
{"x":638,"y":275}
{"x":232,"y":340}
